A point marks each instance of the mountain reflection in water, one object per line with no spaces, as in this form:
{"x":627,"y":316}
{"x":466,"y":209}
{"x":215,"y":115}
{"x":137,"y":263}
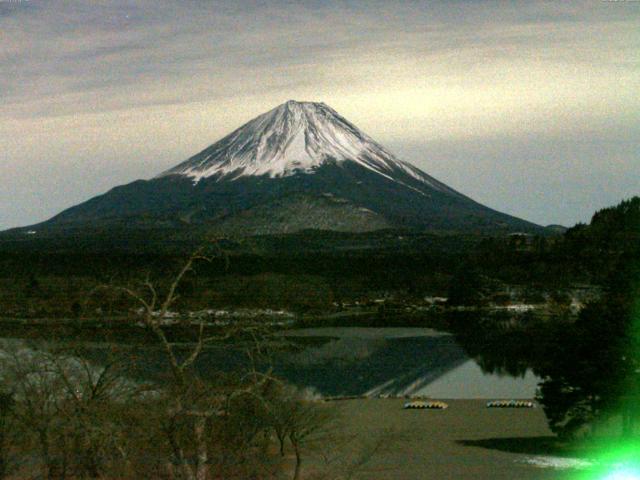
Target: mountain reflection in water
{"x":346,"y":362}
{"x":374,"y":366}
{"x":396,"y":364}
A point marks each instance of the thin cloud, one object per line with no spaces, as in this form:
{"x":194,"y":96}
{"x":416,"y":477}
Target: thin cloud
{"x":133,"y":79}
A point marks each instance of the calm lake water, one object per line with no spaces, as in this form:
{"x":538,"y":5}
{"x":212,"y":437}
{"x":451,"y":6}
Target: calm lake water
{"x":353,"y":361}
{"x":395,"y":361}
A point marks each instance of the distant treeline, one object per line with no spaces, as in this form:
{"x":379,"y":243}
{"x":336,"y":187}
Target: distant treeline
{"x":584,"y":253}
{"x":51,"y":283}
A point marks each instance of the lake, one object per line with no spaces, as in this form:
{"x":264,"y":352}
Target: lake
{"x":344,"y":361}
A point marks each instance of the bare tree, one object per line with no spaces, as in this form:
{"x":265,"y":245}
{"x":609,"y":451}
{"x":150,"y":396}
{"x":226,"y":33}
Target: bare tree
{"x":186,"y":400}
{"x":64,"y":403}
{"x":191,"y":401}
{"x":88,"y":419}
{"x":92,"y":396}
{"x":36,"y":391}
{"x":297,"y":421}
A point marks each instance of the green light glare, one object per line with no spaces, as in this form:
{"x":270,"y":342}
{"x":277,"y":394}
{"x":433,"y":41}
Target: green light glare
{"x":623,"y":474}
{"x":620,"y":461}
{"x":617,"y":456}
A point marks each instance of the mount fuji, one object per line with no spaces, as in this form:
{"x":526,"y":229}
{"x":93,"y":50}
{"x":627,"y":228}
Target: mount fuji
{"x":299,"y":166}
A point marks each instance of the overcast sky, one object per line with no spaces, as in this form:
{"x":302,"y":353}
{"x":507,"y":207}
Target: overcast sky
{"x":532,"y":108}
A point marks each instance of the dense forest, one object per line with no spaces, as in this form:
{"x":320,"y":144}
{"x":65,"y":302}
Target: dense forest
{"x":314,"y":271}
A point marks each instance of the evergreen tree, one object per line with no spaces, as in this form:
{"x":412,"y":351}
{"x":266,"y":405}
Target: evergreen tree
{"x":597,"y":366}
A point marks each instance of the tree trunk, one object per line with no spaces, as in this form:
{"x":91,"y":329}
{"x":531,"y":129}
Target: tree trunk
{"x":297,"y":471}
{"x":187,"y":471}
{"x":202,"y":471}
{"x":43,"y":439}
{"x":178,"y":455}
{"x":3,"y":446}
{"x":171,"y":472}
{"x":281,"y":439}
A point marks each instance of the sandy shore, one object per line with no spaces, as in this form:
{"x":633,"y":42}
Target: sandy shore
{"x":466,"y":441}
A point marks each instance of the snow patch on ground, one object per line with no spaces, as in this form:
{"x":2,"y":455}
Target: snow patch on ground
{"x":558,"y":463}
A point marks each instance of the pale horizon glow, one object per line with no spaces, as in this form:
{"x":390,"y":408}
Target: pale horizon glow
{"x":531,"y":108}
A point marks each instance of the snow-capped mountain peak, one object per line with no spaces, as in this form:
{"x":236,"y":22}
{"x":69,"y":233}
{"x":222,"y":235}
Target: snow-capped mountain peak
{"x":297,"y":167}
{"x":292,"y":138}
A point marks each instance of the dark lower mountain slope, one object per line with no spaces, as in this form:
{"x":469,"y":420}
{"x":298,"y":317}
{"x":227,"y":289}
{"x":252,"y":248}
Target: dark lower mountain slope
{"x":343,"y":197}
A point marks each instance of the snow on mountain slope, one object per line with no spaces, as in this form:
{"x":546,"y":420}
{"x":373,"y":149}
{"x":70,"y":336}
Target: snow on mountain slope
{"x":296,"y":137}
